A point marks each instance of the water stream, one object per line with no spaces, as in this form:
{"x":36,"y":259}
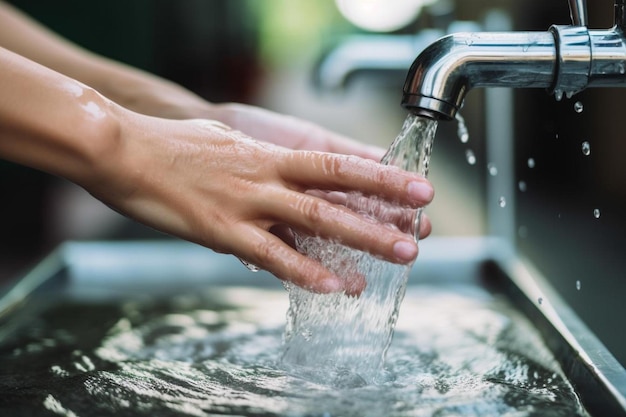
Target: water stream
{"x":347,"y":337}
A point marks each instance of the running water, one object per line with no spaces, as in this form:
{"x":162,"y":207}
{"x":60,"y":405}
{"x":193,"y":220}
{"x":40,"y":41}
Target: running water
{"x":343,"y":336}
{"x":458,"y":351}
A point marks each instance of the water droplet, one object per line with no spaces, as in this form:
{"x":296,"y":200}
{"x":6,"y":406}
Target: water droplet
{"x":558,"y":95}
{"x":569,"y":94}
{"x":540,"y":300}
{"x":250,"y":266}
{"x":556,"y":136}
{"x":522,"y":186}
{"x":522,"y":232}
{"x":596,"y":213}
{"x":471,"y":158}
{"x":307,"y":334}
{"x":462,"y":131}
{"x":502,"y":202}
{"x":586,"y":148}
{"x":578,"y":285}
{"x":578,"y":107}
{"x":493,"y":169}
{"x":621,"y":67}
{"x":531,"y":163}
{"x":525,"y":48}
{"x":469,"y":42}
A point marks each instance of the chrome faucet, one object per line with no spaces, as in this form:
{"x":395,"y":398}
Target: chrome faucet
{"x":564,"y":60}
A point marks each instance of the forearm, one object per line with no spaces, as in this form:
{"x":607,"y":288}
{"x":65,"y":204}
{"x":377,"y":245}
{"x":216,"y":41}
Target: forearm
{"x":51,"y":122}
{"x":130,"y":87}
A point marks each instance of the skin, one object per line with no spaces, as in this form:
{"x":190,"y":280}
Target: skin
{"x":234,"y":178}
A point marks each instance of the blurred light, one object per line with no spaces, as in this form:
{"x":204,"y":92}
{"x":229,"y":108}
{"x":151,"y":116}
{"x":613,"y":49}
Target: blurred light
{"x":381,"y":15}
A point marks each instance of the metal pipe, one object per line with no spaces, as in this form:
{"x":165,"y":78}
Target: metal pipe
{"x":578,"y":12}
{"x":564,"y":60}
{"x":445,"y":71}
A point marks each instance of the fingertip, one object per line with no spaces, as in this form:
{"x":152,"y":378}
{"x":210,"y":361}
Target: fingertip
{"x":405,"y":250}
{"x":421,"y":192}
{"x":425,"y":226}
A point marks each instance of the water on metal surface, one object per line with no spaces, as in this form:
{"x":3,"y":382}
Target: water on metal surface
{"x":456,"y":351}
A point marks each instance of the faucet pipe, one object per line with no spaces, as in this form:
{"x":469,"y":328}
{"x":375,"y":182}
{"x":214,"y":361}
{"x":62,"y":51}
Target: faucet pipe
{"x":564,"y":60}
{"x":620,"y":15}
{"x":578,"y":12}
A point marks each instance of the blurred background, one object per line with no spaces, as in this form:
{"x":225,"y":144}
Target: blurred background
{"x":331,"y":62}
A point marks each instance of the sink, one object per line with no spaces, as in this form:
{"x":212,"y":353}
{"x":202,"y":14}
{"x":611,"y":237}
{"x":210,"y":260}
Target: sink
{"x":120,"y":284}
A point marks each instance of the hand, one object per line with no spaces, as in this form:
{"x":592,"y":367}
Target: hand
{"x":201,"y":181}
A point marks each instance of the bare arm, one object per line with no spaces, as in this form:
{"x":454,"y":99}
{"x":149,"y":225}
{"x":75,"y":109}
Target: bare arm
{"x":145,"y":93}
{"x":198,"y":179}
{"x":130,"y":87}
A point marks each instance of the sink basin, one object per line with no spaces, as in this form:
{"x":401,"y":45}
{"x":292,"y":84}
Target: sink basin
{"x":102,"y":319}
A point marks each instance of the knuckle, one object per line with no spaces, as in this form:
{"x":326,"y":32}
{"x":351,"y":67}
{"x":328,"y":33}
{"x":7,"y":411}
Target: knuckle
{"x":332,"y":165}
{"x":265,"y":250}
{"x":310,"y":209}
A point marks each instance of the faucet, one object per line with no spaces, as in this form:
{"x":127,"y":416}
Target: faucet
{"x":564,"y":60}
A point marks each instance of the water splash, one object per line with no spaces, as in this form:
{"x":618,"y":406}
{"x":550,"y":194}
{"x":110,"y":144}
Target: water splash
{"x":252,"y":267}
{"x":522,"y":232}
{"x":470,"y":157}
{"x":522,"y":186}
{"x":462,"y":131}
{"x":492,"y":169}
{"x":348,"y":336}
{"x":458,"y":350}
{"x":558,"y":95}
{"x":586,"y":148}
{"x":578,"y":107}
{"x":596,"y":213}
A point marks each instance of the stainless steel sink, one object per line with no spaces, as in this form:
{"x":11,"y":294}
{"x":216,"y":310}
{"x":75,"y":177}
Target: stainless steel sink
{"x":104,"y":271}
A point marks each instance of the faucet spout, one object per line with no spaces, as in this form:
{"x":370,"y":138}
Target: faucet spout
{"x":445,"y":71}
{"x":564,"y":60}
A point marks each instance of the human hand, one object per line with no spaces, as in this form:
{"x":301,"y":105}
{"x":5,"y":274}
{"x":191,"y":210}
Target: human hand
{"x":203,"y":182}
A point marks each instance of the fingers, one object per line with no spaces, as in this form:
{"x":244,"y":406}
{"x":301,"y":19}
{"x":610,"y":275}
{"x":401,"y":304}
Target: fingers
{"x":425,"y":226}
{"x":317,"y":217}
{"x":348,"y":173}
{"x":272,"y":254}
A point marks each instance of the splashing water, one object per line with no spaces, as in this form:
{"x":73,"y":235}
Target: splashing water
{"x":457,"y":351}
{"x":492,"y":169}
{"x":336,"y":334}
{"x":470,"y":157}
{"x":462,"y":131}
{"x":578,"y":107}
{"x":586,"y":148}
{"x":596,"y":213}
{"x":522,"y":186}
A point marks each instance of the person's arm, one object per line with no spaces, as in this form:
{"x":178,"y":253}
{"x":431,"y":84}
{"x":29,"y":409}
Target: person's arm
{"x":198,"y":179}
{"x":145,"y":93}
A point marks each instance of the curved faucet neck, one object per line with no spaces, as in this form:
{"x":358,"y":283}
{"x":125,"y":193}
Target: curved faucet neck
{"x":564,"y":60}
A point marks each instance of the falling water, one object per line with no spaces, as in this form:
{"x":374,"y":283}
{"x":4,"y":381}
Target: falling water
{"x":345,"y":336}
{"x":578,"y":107}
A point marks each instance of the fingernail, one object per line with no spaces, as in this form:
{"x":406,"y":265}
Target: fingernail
{"x":420,"y":191}
{"x":405,"y":250}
